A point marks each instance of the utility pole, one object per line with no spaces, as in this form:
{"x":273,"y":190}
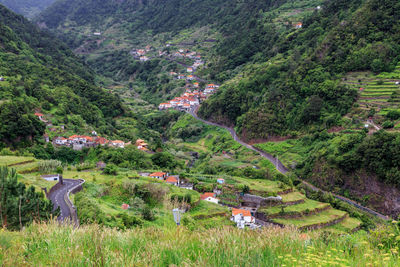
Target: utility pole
{"x":19,"y":213}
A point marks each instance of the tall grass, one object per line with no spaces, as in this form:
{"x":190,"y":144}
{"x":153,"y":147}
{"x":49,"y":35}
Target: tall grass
{"x":55,"y":245}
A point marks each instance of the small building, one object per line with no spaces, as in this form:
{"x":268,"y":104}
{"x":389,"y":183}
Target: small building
{"x":158,"y":175}
{"x":61,"y":141}
{"x":298,"y":25}
{"x":190,"y":78}
{"x":242,"y":215}
{"x":210,"y":197}
{"x":46,"y":138}
{"x":118,"y":144}
{"x":39,"y":115}
{"x":144,"y":59}
{"x":97,"y":33}
{"x":220,"y":180}
{"x":51,"y":177}
{"x":141,"y":52}
{"x":94,"y":133}
{"x":101,"y":141}
{"x":189,"y":69}
{"x":172,"y":180}
{"x":186,"y":186}
{"x":125,"y":206}
{"x":196,"y":85}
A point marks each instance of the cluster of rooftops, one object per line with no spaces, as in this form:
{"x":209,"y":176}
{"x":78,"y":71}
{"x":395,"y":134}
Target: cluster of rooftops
{"x":190,"y":98}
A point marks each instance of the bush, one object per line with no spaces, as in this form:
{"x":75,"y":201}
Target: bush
{"x":388,"y":124}
{"x":111,"y":169}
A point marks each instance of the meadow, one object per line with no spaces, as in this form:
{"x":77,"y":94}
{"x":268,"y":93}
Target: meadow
{"x":92,"y":245}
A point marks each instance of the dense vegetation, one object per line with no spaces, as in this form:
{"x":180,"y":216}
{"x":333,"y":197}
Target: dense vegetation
{"x":43,"y":74}
{"x":20,"y":206}
{"x":299,"y":86}
{"x":28,"y":8}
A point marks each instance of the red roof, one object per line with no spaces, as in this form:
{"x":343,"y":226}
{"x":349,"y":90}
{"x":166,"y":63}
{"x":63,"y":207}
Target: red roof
{"x":157,"y":174}
{"x":38,"y":114}
{"x":125,"y":206}
{"x":101,"y":140}
{"x":207,"y":195}
{"x":171,"y":179}
{"x":245,"y":213}
{"x":118,"y":142}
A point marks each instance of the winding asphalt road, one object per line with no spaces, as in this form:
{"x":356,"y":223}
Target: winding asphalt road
{"x":281,"y":168}
{"x":58,"y":198}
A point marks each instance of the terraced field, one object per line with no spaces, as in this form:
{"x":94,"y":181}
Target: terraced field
{"x":307,"y":214}
{"x":379,"y":92}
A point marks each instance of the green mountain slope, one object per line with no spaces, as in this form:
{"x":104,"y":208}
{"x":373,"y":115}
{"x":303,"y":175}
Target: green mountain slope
{"x":42,"y":74}
{"x":28,"y":8}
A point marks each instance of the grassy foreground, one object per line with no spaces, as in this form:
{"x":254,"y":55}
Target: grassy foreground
{"x":92,"y":245}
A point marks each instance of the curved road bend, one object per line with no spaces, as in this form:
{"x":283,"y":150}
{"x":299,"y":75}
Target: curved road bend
{"x":281,"y":168}
{"x":57,"y":197}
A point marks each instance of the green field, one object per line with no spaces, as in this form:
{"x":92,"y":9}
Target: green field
{"x":308,"y":205}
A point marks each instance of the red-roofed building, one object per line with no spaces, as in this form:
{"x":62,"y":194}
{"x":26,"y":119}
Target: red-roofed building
{"x":241,"y":214}
{"x":298,"y":25}
{"x":125,"y":206}
{"x":158,"y":175}
{"x":210,"y":197}
{"x":172,"y":180}
{"x":101,"y":141}
{"x":118,"y":144}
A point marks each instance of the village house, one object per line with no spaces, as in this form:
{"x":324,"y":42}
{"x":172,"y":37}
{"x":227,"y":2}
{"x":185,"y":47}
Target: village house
{"x":148,"y":48}
{"x":220,"y":180}
{"x":101,"y":141}
{"x":196,"y":85}
{"x":239,"y":215}
{"x":158,"y":175}
{"x":97,"y":33}
{"x":210,"y":197}
{"x":172,"y":180}
{"x":141,"y":52}
{"x":181,"y":77}
{"x":298,"y":25}
{"x":39,"y":115}
{"x":61,"y":141}
{"x":125,"y":206}
{"x":189,"y":69}
{"x":51,"y":177}
{"x":190,"y":78}
{"x":143,"y":59}
{"x":118,"y":144}
{"x":186,"y":186}
{"x":141,"y":144}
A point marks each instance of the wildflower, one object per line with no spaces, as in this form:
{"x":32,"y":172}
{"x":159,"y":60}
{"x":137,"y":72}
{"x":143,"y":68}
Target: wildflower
{"x":394,"y":222}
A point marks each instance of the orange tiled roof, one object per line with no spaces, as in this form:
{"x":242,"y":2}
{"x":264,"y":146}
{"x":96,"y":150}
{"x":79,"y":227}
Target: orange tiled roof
{"x":157,"y":174}
{"x":206,"y":195}
{"x":245,"y":213}
{"x":171,"y":179}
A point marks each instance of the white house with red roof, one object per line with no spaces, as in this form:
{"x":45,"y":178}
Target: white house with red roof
{"x":240,"y":214}
{"x":210,"y":197}
{"x":189,"y":69}
{"x":158,"y":175}
{"x":61,"y":141}
{"x":172,"y":180}
{"x":118,"y":144}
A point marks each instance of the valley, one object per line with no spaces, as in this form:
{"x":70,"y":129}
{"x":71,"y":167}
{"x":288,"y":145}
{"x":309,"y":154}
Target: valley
{"x":200,"y":133}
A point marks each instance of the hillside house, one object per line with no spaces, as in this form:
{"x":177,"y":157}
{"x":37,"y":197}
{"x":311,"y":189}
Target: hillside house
{"x":220,"y":180}
{"x":189,"y":69}
{"x":242,"y":215}
{"x":298,"y":25}
{"x":186,"y":186}
{"x":144,"y":59}
{"x":158,"y":175}
{"x":141,"y":144}
{"x":210,"y":197}
{"x":118,"y":144}
{"x":97,"y":33}
{"x":141,"y":52}
{"x":46,"y":138}
{"x":190,"y":78}
{"x":196,"y":85}
{"x":39,"y":115}
{"x":51,"y":177}
{"x":61,"y":141}
{"x":172,"y":180}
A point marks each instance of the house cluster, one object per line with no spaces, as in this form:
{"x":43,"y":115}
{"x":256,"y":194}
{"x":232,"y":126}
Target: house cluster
{"x":184,"y":53}
{"x":190,"y":99}
{"x":141,"y":53}
{"x":78,"y":142}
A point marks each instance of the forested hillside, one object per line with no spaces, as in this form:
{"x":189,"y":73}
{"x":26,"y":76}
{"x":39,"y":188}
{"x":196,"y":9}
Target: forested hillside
{"x":28,"y":8}
{"x":279,"y":80}
{"x":299,"y":85}
{"x":41,"y":74}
